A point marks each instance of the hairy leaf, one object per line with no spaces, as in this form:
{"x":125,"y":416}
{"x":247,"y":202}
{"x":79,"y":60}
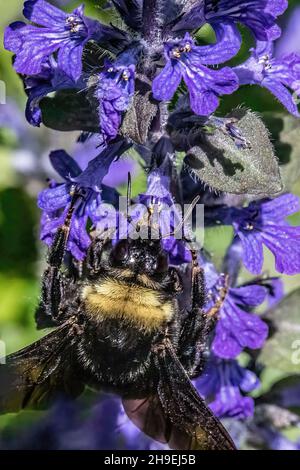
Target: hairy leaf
{"x":217,"y":159}
{"x":139,"y":117}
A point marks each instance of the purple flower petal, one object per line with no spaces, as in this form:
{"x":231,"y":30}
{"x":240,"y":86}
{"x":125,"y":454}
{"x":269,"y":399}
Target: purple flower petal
{"x":53,"y":199}
{"x":227,"y":46}
{"x":178,"y":253}
{"x":79,"y":240}
{"x":279,"y":76}
{"x":252,"y":295}
{"x":43,"y":13}
{"x":204,"y":91}
{"x":70,"y":58}
{"x":276,"y":7}
{"x":12,"y":38}
{"x":166,"y":83}
{"x":221,"y":384}
{"x":230,"y":403}
{"x":114,"y":92}
{"x":55,"y":31}
{"x":253,"y":256}
{"x":284,"y":243}
{"x":185,"y":60}
{"x":236,"y":330}
{"x":283,"y":95}
{"x":97,"y":168}
{"x":280,"y":207}
{"x":65,"y":165}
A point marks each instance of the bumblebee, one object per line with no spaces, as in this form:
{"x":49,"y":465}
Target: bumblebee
{"x":120,"y":325}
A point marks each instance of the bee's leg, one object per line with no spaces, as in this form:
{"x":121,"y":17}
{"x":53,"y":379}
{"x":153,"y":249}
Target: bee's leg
{"x":196,"y":327}
{"x":191,"y":341}
{"x":92,"y":264}
{"x":54,"y":282}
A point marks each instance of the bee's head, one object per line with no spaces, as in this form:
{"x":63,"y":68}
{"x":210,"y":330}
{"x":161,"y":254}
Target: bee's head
{"x":140,"y":256}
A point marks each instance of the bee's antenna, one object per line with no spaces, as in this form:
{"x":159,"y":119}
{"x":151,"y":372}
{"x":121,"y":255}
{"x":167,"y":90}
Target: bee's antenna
{"x":128,"y":191}
{"x":128,"y":202}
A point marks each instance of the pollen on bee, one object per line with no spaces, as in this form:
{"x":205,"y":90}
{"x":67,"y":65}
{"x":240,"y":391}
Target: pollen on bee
{"x":136,"y":304}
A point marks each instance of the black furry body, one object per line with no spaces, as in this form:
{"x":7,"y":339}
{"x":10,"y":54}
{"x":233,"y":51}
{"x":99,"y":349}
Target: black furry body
{"x":120,"y":327}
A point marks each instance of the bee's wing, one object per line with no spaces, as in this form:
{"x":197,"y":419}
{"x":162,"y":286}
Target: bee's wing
{"x":177,"y":415}
{"x":149,"y":416}
{"x":40,"y":372}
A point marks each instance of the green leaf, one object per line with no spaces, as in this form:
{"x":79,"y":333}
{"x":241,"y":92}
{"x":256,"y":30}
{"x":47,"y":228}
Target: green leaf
{"x":220,"y":163}
{"x":285,"y":130}
{"x":282,"y":350}
{"x":70,"y":111}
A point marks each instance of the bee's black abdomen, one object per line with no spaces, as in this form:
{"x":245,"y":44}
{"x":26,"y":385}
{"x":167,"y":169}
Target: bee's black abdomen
{"x":116,"y":356}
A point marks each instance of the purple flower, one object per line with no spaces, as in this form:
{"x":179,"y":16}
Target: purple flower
{"x":166,"y":215}
{"x":58,"y":31}
{"x":55,"y":201}
{"x":278,"y":75}
{"x":258,"y":15}
{"x":237,"y":328}
{"x":118,"y":172}
{"x":263,"y":223}
{"x":51,"y":78}
{"x":222,"y":382}
{"x":114,"y":91}
{"x":185,"y":61}
{"x":85,"y":151}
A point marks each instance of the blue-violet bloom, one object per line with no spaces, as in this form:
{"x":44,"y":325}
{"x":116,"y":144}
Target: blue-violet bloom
{"x":55,"y":201}
{"x":50,"y":79}
{"x":114,"y":92}
{"x":223,"y":382}
{"x":185,"y":60}
{"x":263,"y":223}
{"x":57,"y":31}
{"x":237,"y":328}
{"x":258,"y":15}
{"x":278,"y":75}
{"x":166,"y":215}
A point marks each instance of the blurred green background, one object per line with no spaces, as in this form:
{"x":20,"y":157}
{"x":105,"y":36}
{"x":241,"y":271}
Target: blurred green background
{"x":21,"y":254}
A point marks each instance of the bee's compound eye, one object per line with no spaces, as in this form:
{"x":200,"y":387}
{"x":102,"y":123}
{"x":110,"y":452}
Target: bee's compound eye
{"x":120,"y":252}
{"x":162,"y":263}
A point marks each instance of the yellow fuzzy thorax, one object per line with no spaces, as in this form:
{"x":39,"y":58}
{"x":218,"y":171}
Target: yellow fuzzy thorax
{"x":141,"y":306}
